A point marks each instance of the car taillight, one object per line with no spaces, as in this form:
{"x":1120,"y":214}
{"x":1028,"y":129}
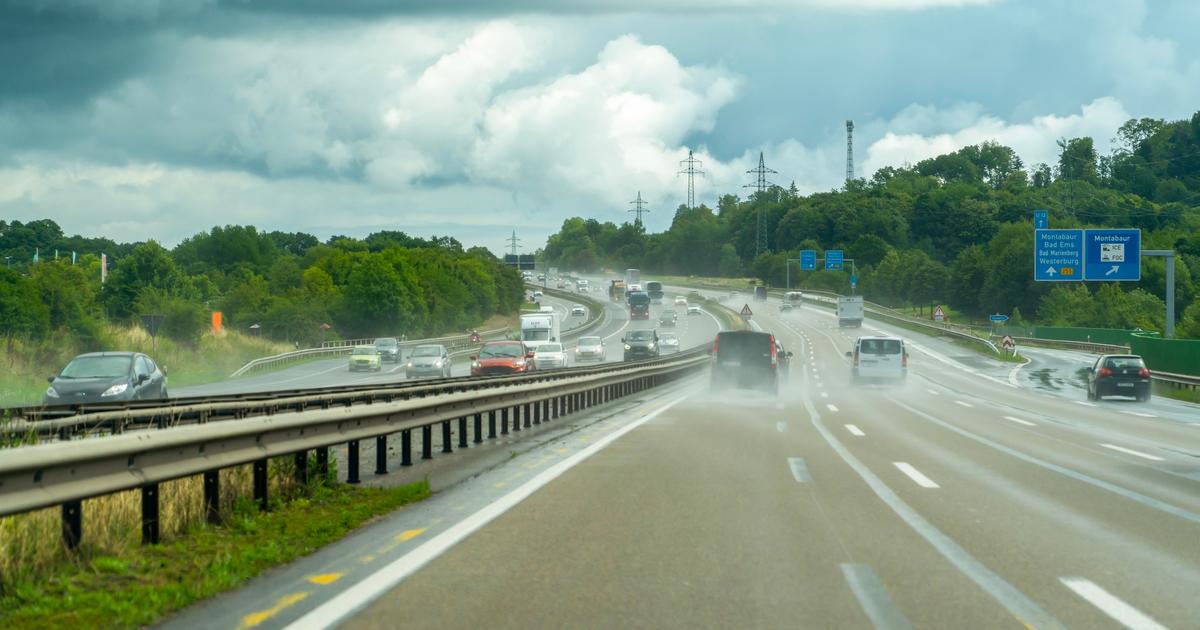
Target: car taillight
{"x":1144,"y":373}
{"x":774,"y":353}
{"x":1104,"y":372}
{"x":715,"y":340}
{"x":904,"y":359}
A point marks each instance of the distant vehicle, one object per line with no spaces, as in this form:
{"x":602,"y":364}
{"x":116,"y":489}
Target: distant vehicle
{"x":639,"y":305}
{"x":389,"y":349}
{"x":549,"y":356}
{"x":581,"y":285}
{"x":693,"y":309}
{"x":579,"y":310}
{"x":365,"y":358}
{"x":878,"y":358}
{"x":1118,"y":375}
{"x":785,"y":307}
{"x":502,"y":357}
{"x":633,"y":288}
{"x":668,"y":318}
{"x":694,"y":296}
{"x":561,"y":285}
{"x":680,"y":300}
{"x":850,"y":311}
{"x":640,"y":344}
{"x":616,"y":291}
{"x":785,"y":360}
{"x":589,"y":349}
{"x":430,"y":360}
{"x":537,"y":295}
{"x":104,"y":377}
{"x":668,"y":343}
{"x":540,"y":328}
{"x":796,"y":298}
{"x":760,"y":293}
{"x":633,"y":276}
{"x":655,"y":289}
{"x":541,"y":277}
{"x":746,"y":359}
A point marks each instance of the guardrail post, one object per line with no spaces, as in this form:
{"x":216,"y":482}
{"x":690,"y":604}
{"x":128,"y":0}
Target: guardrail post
{"x":352,"y":462}
{"x":492,"y":424}
{"x":447,"y":439}
{"x":527,"y":406}
{"x":427,"y":442}
{"x":150,"y":514}
{"x":322,"y":464}
{"x":406,"y":447}
{"x":260,"y":484}
{"x":212,"y":497}
{"x":301,"y":464}
{"x":72,"y":524}
{"x":462,"y":432}
{"x":537,"y":412}
{"x":516,"y":413}
{"x":546,"y":410}
{"x":381,"y":455}
{"x":478,"y":428}
{"x":504,"y":421}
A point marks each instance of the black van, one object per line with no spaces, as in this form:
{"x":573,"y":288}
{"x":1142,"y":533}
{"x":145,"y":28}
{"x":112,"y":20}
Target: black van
{"x":748,"y":360}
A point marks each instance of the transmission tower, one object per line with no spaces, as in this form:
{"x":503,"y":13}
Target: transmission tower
{"x":639,"y":208}
{"x":849,"y":150}
{"x":760,"y":184}
{"x":691,"y":168}
{"x":512,"y":242}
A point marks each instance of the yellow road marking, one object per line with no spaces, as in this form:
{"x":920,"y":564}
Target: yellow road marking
{"x":325,"y":578}
{"x":560,"y":451}
{"x":367,"y":558}
{"x":409,"y":534}
{"x":253,"y":619}
{"x":500,"y":484}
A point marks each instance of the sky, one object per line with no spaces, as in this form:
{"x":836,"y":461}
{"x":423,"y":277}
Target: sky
{"x":158,"y":119}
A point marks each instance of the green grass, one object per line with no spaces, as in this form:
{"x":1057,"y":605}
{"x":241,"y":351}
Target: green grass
{"x":1185,"y":395}
{"x":142,"y":585}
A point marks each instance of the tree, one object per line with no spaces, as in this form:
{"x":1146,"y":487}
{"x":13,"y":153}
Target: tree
{"x":147,"y":266}
{"x":22,"y":312}
{"x":1077,"y":160}
{"x":967,"y":276}
{"x":70,"y":298}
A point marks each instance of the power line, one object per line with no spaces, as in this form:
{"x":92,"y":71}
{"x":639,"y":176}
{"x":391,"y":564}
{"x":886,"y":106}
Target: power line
{"x":639,"y":207}
{"x":691,"y":168}
{"x":760,"y":184}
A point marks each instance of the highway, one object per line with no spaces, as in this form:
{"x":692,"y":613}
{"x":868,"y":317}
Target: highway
{"x":968,"y":497}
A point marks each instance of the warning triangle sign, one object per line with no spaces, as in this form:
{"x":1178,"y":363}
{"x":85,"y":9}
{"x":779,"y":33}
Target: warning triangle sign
{"x":746,"y":310}
{"x":939,"y":314}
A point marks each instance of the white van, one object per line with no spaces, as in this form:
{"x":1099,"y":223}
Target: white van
{"x":878,"y":358}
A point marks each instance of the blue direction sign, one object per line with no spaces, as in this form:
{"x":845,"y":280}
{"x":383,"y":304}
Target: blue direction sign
{"x":808,"y":259}
{"x":1057,"y":255}
{"x":853,"y":281}
{"x":998,"y":317}
{"x":1041,"y":219}
{"x":833,"y":259}
{"x":1112,"y":255}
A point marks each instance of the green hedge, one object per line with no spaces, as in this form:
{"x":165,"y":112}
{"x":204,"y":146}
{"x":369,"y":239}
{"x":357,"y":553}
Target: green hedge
{"x":1178,"y":356}
{"x":1114,"y":336}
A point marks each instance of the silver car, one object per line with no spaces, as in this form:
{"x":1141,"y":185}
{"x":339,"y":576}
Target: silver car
{"x":428,"y":361}
{"x":548,"y":356}
{"x":668,"y":343}
{"x":589,"y":349}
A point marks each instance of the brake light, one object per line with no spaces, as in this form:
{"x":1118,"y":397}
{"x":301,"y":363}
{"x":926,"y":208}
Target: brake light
{"x":1144,"y":373}
{"x":1104,"y":372}
{"x":855,"y":356}
{"x":774,"y":353}
{"x":903,"y":359}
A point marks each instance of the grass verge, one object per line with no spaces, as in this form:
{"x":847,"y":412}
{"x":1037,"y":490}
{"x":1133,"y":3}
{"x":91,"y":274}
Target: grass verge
{"x":138,"y":585}
{"x":1185,"y":395}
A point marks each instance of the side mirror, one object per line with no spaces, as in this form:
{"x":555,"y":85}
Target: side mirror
{"x":163,"y":369}
{"x":474,"y":357}
{"x":1090,"y":369}
{"x":622,"y":339}
{"x":528,"y":355}
{"x":142,"y":378}
{"x":849,"y":354}
{"x":789,"y":354}
{"x":50,"y":379}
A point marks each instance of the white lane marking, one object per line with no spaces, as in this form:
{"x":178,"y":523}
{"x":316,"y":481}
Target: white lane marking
{"x":781,"y":426}
{"x":824,"y":395}
{"x":855,"y":431}
{"x":1129,"y":451}
{"x":1139,"y":414}
{"x":1020,"y":421}
{"x":618,"y":331}
{"x":354,"y":598}
{"x":873,"y":597}
{"x":933,"y":391}
{"x":964,"y":404}
{"x":1085,"y":404}
{"x":915,"y":475}
{"x":1110,"y":604}
{"x":832,"y":408}
{"x":799,"y":470}
{"x":1012,"y":374}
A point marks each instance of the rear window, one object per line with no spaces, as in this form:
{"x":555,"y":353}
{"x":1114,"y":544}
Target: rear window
{"x":641,"y":335}
{"x":880,"y":346}
{"x":549,"y":347}
{"x":1121,"y":363}
{"x":743,"y":346}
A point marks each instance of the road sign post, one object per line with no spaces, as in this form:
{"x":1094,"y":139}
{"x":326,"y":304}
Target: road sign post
{"x":1057,"y":255}
{"x":152,"y":323}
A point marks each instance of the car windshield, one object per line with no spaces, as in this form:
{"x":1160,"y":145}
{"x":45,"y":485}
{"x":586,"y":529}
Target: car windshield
{"x":880,"y":346}
{"x":427,"y":351}
{"x":500,"y":351}
{"x":535,"y":335}
{"x":667,"y":337}
{"x":588,"y":341}
{"x":549,"y":348}
{"x":97,"y":367}
{"x":359,"y":352}
{"x":641,"y":335}
{"x":743,"y":347}
{"x":387,"y":342}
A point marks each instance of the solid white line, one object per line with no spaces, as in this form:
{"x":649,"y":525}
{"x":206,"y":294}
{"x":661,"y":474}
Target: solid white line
{"x":370,"y":588}
{"x":855,"y":431}
{"x":1128,"y":451}
{"x":1139,"y":414}
{"x":933,"y":391}
{"x":1012,"y":374}
{"x":832,"y":408}
{"x":1020,"y":421}
{"x":618,"y":331}
{"x":916,"y":475}
{"x":964,"y":404}
{"x":1110,"y":604}
{"x":1085,"y":404}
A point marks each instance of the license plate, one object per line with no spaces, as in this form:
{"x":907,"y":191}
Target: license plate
{"x":1124,"y":384}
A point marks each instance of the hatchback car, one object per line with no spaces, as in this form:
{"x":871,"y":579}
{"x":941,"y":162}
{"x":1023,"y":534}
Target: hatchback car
{"x":578,"y":310}
{"x":589,"y":349}
{"x":365,"y":358}
{"x":693,"y":309}
{"x":746,"y":359}
{"x":878,"y":358}
{"x":1118,"y":375}
{"x":389,"y":349}
{"x":502,"y":357}
{"x":106,"y":376}
{"x":680,"y":300}
{"x":668,"y":343}
{"x":549,"y":356}
{"x":668,"y":318}
{"x":431,"y":360}
{"x":641,"y":344}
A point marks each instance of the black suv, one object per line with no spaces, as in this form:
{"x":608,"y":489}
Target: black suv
{"x":747,"y":359}
{"x":1118,"y":375}
{"x":641,"y":344}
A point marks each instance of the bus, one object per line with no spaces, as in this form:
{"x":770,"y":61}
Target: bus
{"x":654,"y":288}
{"x":639,"y":305}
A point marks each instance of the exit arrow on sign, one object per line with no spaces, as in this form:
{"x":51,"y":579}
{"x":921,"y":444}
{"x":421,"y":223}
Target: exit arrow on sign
{"x":1114,"y":269}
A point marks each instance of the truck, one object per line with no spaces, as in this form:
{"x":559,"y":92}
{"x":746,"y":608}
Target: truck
{"x":616,"y":291}
{"x":850,"y":311}
{"x":655,"y":289}
{"x":633,"y":276}
{"x":639,"y":305}
{"x":760,"y":293}
{"x":539,"y":328}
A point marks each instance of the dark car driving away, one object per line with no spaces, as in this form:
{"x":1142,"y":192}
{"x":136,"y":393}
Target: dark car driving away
{"x":1118,"y":375}
{"x":641,"y":344}
{"x":106,"y":376}
{"x":746,"y":359}
{"x":389,"y":349}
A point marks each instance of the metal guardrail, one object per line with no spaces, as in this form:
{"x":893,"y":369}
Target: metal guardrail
{"x":66,"y":473}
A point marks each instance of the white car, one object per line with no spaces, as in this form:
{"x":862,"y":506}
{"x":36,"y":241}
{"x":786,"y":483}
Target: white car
{"x":668,"y":342}
{"x":879,"y":358}
{"x":693,"y":309}
{"x":589,"y":349}
{"x":579,"y":310}
{"x":680,"y":300}
{"x":537,"y":295}
{"x":549,"y":356}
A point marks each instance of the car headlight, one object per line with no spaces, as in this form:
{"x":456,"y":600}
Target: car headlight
{"x":628,"y":347}
{"x":475,"y":364}
{"x":437,"y":363}
{"x":519,"y":363}
{"x":116,"y":389}
{"x":651,"y":346}
{"x":409,"y":364}
{"x":50,"y":393}
{"x":576,"y":350}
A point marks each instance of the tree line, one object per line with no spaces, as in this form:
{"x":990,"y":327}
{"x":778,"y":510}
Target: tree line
{"x":291,"y":286}
{"x":954,"y":229}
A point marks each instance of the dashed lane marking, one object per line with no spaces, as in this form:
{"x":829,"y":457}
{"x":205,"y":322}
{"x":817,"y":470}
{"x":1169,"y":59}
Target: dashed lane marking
{"x":1129,"y":451}
{"x":854,"y":430}
{"x":1020,"y":421}
{"x":832,"y":408}
{"x":963,"y":404}
{"x":325,"y":578}
{"x":1110,"y":604}
{"x":916,"y":475}
{"x":799,"y":470}
{"x":256,"y":618}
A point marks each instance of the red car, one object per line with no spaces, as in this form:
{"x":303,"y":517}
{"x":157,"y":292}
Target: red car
{"x":502,"y":357}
